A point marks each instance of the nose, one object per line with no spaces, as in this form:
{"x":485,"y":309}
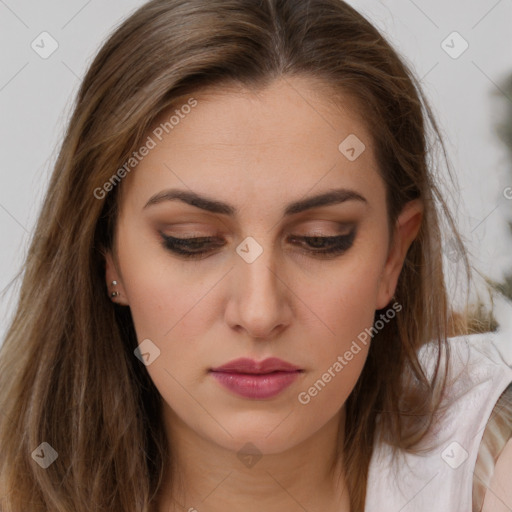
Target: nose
{"x":260,"y":297}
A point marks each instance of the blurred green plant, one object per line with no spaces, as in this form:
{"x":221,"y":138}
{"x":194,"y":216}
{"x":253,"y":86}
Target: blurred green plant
{"x":504,"y":131}
{"x":478,"y":318}
{"x":504,"y":127}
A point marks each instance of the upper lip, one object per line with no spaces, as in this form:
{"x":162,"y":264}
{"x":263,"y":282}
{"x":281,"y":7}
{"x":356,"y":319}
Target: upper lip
{"x":246,"y":365}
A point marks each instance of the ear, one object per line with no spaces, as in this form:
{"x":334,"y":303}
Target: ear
{"x":405,"y":231}
{"x":114,"y":281}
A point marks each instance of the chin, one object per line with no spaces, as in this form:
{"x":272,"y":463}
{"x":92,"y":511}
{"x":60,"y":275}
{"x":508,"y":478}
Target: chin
{"x":269,"y":440}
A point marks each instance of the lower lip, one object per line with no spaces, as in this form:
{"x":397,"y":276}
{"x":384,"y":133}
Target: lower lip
{"x":256,"y":385}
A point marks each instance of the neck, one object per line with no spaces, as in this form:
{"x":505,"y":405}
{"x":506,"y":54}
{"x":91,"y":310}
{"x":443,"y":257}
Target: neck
{"x":209,"y":477}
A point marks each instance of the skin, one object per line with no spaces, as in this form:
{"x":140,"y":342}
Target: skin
{"x":498,"y":497}
{"x":257,"y":152}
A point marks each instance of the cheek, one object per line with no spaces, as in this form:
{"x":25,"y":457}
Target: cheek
{"x":345,"y":302}
{"x":170,"y":306}
{"x":340,"y":344}
{"x":345,"y":306}
{"x":160,"y":290}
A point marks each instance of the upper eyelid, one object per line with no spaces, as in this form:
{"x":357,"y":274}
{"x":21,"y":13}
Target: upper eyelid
{"x":214,"y":238}
{"x":340,"y":228}
{"x":350,"y":234}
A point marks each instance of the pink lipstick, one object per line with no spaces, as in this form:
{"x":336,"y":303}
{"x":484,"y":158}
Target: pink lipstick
{"x":258,"y":380}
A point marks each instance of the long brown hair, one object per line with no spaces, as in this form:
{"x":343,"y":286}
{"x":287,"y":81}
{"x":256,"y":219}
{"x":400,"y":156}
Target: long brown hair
{"x":68,"y":376}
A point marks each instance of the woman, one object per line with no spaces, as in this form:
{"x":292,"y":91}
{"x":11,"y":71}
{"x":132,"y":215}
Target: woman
{"x":299,"y":345}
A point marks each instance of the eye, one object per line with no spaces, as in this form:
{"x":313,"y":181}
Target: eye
{"x":316,"y":245}
{"x":190,"y":247}
{"x":327,"y":245}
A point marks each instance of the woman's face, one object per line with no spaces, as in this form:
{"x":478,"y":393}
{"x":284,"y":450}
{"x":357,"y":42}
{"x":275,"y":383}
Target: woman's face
{"x":256,"y":163}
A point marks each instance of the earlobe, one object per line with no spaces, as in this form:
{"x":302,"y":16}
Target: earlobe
{"x":113,"y":280}
{"x":406,"y":230}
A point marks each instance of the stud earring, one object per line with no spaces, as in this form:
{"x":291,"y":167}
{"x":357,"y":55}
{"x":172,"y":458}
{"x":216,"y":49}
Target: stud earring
{"x":114,"y":294}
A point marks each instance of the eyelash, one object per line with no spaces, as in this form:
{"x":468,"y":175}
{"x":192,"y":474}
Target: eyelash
{"x":182,"y":246}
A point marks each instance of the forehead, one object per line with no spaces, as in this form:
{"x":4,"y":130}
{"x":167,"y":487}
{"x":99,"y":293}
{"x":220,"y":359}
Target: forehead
{"x":291,"y":136}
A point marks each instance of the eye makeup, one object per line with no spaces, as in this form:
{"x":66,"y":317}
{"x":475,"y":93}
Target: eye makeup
{"x":316,"y":246}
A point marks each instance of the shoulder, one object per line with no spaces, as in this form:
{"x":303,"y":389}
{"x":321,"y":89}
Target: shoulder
{"x":494,"y":464}
{"x":439,"y":475}
{"x":480,"y":396}
{"x":480,"y":370}
{"x":498,"y":497}
{"x":492,"y":349}
{"x":479,"y":366}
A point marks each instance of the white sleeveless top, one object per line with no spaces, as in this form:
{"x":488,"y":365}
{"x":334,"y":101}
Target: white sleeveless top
{"x":441,"y":480}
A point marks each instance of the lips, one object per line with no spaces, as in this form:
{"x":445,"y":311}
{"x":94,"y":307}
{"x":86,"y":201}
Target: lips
{"x":256,"y":380}
{"x":249,"y":366}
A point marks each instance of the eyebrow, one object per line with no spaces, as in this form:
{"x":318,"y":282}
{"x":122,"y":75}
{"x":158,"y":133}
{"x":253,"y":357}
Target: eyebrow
{"x":331,"y":197}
